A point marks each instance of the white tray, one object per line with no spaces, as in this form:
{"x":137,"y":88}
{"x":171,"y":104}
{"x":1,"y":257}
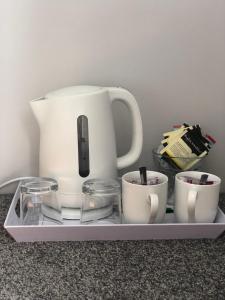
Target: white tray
{"x":76,"y":232}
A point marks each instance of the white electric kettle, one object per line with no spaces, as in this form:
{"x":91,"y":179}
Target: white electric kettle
{"x":77,"y":138}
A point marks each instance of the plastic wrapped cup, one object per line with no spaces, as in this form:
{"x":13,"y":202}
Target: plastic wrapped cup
{"x":34,"y":193}
{"x":101,"y":202}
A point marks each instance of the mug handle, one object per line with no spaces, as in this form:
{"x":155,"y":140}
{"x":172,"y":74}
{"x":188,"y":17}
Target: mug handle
{"x":137,"y":138}
{"x":191,"y":204}
{"x":153,"y":201}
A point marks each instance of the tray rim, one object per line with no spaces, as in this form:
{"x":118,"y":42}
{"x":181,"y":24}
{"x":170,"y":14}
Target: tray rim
{"x":12,"y":205}
{"x":107,"y":232}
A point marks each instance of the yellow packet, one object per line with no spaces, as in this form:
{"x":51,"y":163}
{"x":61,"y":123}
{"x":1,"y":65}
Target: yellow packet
{"x":194,"y":161}
{"x":180,"y":153}
{"x":174,"y":135}
{"x":174,"y":132}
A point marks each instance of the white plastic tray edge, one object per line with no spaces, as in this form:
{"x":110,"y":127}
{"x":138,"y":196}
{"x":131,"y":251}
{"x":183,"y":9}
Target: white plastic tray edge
{"x":34,"y":233}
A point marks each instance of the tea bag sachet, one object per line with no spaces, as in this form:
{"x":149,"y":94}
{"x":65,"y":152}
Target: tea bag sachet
{"x":185,"y":146}
{"x":171,"y":135}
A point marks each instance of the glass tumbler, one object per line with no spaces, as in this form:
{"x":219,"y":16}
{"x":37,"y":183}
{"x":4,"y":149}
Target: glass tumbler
{"x":34,"y":193}
{"x":101,"y":202}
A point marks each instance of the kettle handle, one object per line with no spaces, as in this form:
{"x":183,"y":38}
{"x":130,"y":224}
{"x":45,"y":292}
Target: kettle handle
{"x":137,"y":139}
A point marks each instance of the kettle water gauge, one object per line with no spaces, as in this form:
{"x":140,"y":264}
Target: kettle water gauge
{"x":83,"y":146}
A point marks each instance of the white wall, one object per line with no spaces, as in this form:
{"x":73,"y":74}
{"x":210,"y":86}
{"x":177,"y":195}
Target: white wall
{"x":170,"y":54}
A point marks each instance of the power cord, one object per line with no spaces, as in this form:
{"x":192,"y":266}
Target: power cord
{"x":15,"y":180}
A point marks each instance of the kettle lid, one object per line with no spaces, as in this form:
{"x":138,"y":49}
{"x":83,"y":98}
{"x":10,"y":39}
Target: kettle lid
{"x":74,"y":91}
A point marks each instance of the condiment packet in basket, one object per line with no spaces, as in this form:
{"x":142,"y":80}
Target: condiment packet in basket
{"x":184,"y":146}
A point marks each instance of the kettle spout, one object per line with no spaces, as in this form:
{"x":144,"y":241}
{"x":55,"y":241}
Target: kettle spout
{"x":39,"y":107}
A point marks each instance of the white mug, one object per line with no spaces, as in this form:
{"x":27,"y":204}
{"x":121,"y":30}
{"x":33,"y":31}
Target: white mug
{"x":195,"y":203}
{"x":143,"y":204}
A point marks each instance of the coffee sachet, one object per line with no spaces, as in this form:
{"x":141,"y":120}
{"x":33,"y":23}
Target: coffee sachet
{"x":185,"y":146}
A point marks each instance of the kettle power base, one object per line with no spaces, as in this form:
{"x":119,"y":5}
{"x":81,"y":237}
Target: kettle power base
{"x":73,"y":214}
{"x":74,"y":231}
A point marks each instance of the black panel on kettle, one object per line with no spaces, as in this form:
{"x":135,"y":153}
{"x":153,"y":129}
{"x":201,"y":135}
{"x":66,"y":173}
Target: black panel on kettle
{"x":83,"y":145}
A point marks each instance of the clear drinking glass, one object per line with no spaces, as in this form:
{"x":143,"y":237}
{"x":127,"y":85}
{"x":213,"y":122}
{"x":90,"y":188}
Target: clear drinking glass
{"x":34,"y":193}
{"x":101,"y":202}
